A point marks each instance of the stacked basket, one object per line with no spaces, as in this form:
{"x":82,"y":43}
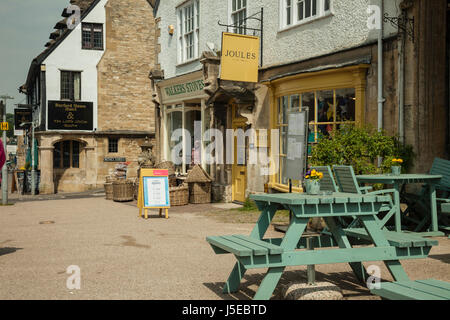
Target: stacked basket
{"x":123,"y":190}
{"x":179,"y":196}
{"x":199,"y":185}
{"x":109,"y":188}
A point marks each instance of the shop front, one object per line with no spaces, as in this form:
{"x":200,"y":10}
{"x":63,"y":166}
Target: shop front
{"x":332,"y":98}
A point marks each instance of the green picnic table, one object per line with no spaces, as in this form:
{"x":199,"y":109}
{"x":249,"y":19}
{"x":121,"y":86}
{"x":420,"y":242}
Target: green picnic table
{"x":398,"y":181}
{"x":254,"y":252}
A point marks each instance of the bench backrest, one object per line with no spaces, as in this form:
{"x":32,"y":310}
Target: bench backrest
{"x":327,"y":183}
{"x":346,"y":179}
{"x":442,"y":167}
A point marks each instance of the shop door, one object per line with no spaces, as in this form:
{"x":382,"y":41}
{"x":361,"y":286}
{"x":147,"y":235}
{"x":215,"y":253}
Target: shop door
{"x":239,"y":171}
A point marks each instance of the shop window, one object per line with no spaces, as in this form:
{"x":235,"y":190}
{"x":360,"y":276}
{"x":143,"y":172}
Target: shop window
{"x":295,"y":12}
{"x":327,"y":111}
{"x":66,"y":154}
{"x":183,"y":117}
{"x":92,"y":36}
{"x":238,"y":15}
{"x":113,"y":145}
{"x":71,"y":85}
{"x":188,"y":31}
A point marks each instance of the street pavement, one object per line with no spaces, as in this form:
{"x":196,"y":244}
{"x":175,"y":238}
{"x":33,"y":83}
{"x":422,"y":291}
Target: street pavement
{"x":122,"y":256}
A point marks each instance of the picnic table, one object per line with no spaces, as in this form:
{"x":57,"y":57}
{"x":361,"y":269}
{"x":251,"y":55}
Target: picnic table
{"x":398,"y":181}
{"x":255,"y":252}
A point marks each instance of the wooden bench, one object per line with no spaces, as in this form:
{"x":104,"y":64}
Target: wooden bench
{"x":396,"y":239}
{"x":243,"y":246}
{"x":414,"y":290}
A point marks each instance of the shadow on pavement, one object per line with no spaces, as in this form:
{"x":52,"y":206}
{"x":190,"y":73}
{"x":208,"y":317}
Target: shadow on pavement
{"x":445,"y":258}
{"x":8,"y":250}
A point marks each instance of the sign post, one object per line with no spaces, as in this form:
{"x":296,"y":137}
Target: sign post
{"x":153,"y":191}
{"x":5,"y":167}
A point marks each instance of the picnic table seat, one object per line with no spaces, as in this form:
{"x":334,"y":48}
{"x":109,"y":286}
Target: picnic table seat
{"x":396,"y":239}
{"x":414,"y":290}
{"x":243,"y":246}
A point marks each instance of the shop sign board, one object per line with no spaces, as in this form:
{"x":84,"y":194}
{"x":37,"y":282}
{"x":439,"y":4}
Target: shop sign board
{"x":181,"y":91}
{"x":70,"y":115}
{"x":114,"y":159}
{"x":21,"y":116}
{"x":240,"y":57}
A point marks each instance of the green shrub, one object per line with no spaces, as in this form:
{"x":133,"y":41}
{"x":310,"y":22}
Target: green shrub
{"x":360,"y":147}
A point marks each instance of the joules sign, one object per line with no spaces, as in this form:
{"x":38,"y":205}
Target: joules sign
{"x":240,"y":57}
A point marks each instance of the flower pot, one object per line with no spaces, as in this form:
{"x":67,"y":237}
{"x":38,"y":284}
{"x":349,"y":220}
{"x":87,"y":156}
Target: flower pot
{"x":312,"y":186}
{"x":396,"y":170}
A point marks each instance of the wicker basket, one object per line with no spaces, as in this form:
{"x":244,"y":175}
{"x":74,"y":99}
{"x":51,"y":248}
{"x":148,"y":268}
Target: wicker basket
{"x":123,"y":190}
{"x":109,"y":190}
{"x":200,"y":192}
{"x":179,"y":196}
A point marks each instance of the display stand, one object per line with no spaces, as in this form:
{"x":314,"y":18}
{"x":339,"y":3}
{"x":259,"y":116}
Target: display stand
{"x":153,"y":191}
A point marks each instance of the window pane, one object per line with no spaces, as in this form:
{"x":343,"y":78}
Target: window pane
{"x":327,"y":5}
{"x":86,"y":38}
{"x":66,"y":154}
{"x":113,"y":145}
{"x":307,"y":8}
{"x":295,"y":102}
{"x":345,"y":105}
{"x":98,"y":40}
{"x":288,"y":12}
{"x":284,"y":110}
{"x":174,"y":122}
{"x":57,"y":155}
{"x":314,"y":7}
{"x":75,"y":154}
{"x":65,"y":84}
{"x":325,"y":104}
{"x":77,"y":85}
{"x":301,"y":10}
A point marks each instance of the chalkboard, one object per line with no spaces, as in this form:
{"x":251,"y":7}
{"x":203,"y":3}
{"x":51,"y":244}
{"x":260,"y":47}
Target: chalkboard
{"x":296,"y":142}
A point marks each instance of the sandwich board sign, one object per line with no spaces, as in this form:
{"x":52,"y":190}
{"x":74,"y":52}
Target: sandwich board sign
{"x":153,"y":191}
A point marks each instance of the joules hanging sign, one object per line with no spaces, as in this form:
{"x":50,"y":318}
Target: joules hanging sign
{"x":240,"y":57}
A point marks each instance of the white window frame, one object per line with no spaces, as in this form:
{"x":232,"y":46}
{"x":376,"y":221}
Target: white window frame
{"x":183,"y":36}
{"x":236,"y":12}
{"x":294,"y":17}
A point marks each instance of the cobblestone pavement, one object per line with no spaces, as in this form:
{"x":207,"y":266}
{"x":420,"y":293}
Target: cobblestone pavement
{"x":122,"y":256}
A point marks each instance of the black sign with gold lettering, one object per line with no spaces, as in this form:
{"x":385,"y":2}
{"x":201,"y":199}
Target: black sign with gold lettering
{"x":70,"y":115}
{"x":21,"y":116}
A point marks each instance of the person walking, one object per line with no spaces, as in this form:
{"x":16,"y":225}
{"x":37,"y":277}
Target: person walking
{"x":2,"y":157}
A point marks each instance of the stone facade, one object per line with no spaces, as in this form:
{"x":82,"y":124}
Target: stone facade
{"x":124,"y":91}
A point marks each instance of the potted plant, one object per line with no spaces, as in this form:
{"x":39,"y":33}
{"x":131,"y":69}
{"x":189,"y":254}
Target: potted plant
{"x":396,"y":166}
{"x":312,"y":182}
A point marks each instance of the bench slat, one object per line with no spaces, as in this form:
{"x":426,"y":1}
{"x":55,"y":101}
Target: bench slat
{"x":229,"y":246}
{"x":427,"y":288}
{"x":396,"y":291}
{"x":272,"y":248}
{"x":256,"y":249}
{"x":401,"y":240}
{"x":436,"y":283}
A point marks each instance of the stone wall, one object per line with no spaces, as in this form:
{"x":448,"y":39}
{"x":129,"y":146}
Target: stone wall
{"x":124,"y":92}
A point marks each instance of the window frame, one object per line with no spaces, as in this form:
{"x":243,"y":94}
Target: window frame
{"x":115,"y":143}
{"x":92,"y":27}
{"x":71,"y":85}
{"x":240,"y":29}
{"x":294,"y":16}
{"x":71,"y":154}
{"x":182,"y":36}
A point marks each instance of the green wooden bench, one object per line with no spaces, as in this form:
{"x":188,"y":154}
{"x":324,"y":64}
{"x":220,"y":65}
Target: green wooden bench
{"x":347,"y":182}
{"x":396,"y":239}
{"x":327,"y":183}
{"x":414,"y":290}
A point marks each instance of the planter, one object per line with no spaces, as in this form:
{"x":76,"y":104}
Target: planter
{"x":396,"y":170}
{"x":312,"y":186}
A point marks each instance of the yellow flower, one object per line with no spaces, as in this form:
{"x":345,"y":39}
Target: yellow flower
{"x":307,"y":177}
{"x":320,"y":175}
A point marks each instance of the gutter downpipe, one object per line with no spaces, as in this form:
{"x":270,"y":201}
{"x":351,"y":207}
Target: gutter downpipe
{"x":380,"y":74}
{"x":401,"y":84}
{"x":380,"y":69}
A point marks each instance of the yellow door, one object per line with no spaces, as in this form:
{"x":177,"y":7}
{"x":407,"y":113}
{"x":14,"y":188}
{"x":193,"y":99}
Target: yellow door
{"x":239,"y":173}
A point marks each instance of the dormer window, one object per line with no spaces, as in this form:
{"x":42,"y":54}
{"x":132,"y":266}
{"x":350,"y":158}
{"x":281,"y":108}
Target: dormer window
{"x":92,"y":36}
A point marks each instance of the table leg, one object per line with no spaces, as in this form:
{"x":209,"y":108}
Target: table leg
{"x":434,"y":217}
{"x":373,"y":230}
{"x":398,"y":213}
{"x":343,"y":242}
{"x":258,"y":232}
{"x":273,"y":276}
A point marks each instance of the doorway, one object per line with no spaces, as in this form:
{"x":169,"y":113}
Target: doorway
{"x":239,"y":168}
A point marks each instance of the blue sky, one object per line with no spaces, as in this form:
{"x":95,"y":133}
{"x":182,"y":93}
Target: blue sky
{"x":25,"y":26}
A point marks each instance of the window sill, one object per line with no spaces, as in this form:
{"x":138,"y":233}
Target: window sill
{"x":327,"y":15}
{"x":182,"y":64}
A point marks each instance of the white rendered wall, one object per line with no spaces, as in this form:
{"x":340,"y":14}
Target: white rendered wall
{"x":69,"y":56}
{"x":345,"y":28}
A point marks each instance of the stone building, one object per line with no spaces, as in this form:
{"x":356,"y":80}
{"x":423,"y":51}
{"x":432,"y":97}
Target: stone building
{"x":320,"y":54}
{"x":91,"y":94}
